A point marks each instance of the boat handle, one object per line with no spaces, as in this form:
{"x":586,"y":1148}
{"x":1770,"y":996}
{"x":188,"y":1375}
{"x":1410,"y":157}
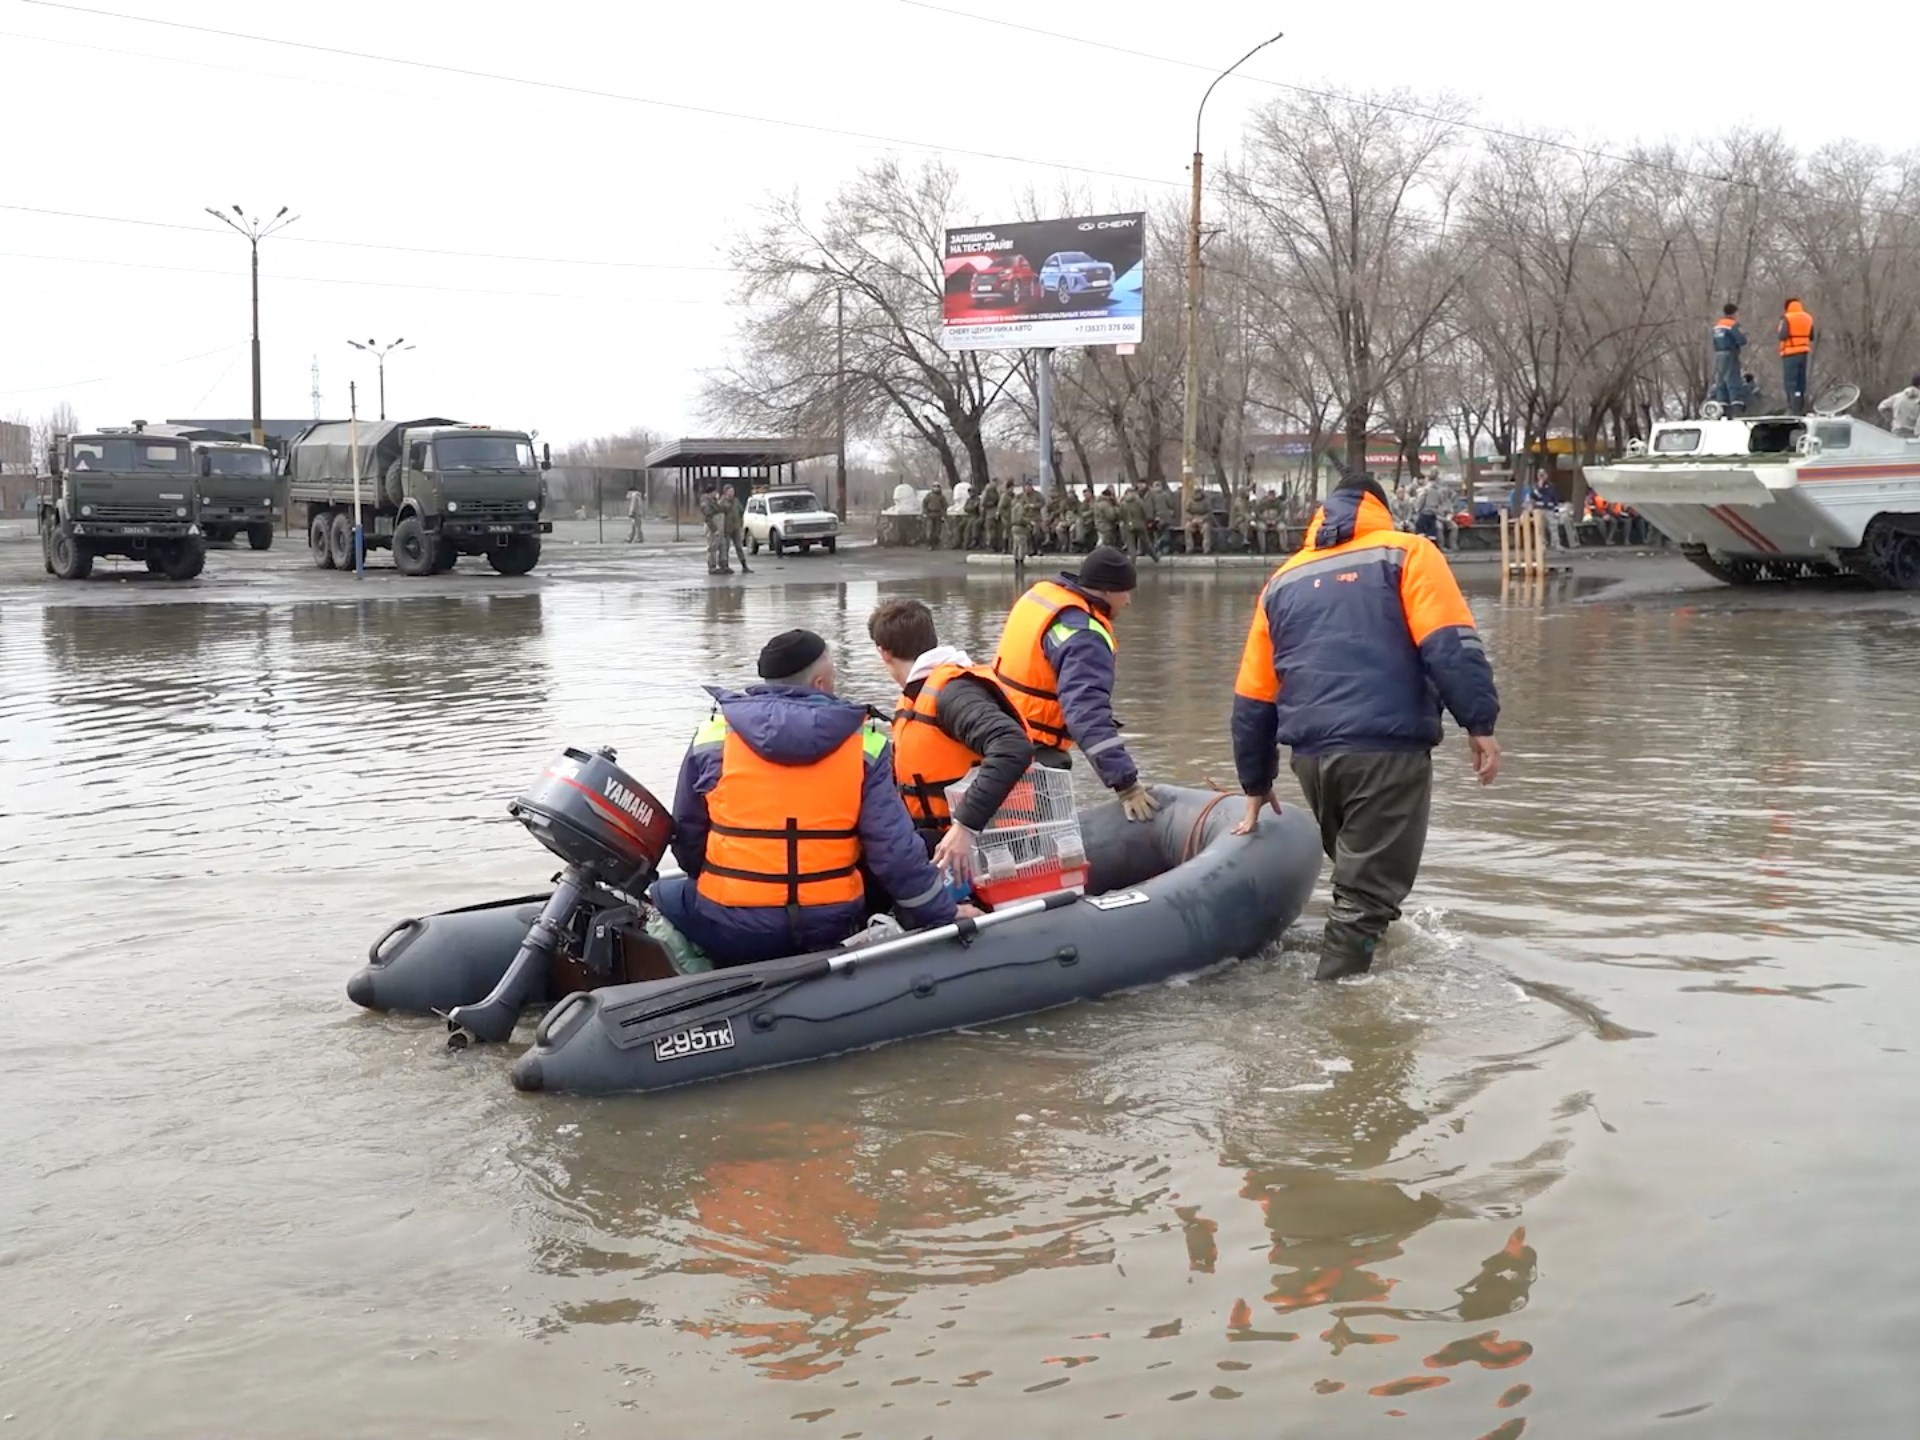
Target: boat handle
{"x":374,"y":956}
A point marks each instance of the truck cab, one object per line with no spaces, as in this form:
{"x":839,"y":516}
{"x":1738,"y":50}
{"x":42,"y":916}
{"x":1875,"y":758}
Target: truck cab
{"x":121,"y":491}
{"x":239,"y":493}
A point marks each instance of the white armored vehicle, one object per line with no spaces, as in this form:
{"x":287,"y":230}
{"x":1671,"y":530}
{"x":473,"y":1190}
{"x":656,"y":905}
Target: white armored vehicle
{"x":1779,"y":497}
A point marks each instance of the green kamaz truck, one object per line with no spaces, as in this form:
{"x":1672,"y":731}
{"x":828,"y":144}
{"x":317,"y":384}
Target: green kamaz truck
{"x":429,"y":490}
{"x":121,"y":491}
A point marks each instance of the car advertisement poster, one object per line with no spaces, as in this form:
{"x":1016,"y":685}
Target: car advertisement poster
{"x":1040,"y":283}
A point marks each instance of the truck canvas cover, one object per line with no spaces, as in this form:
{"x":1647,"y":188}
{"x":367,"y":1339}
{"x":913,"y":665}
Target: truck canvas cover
{"x":324,"y":450}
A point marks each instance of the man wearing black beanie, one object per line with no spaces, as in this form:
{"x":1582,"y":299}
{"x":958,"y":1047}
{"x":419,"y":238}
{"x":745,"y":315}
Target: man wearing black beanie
{"x":786,"y":795}
{"x":1056,"y":663}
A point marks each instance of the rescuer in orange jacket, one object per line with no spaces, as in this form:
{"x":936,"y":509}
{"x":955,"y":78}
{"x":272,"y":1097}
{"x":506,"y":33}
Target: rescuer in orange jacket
{"x":1357,"y":643}
{"x":1056,"y":663}
{"x":951,"y":716}
{"x":1797,"y":339}
{"x":786,"y":804}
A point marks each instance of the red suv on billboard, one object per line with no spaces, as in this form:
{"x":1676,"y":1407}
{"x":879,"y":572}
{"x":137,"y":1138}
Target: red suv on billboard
{"x":1011,"y":281}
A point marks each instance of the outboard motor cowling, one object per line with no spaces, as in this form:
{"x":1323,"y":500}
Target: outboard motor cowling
{"x":597,"y":818}
{"x":610,"y":831}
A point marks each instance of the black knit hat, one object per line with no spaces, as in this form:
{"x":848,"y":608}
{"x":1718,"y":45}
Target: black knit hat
{"x":789,"y":653}
{"x":1106,"y":568}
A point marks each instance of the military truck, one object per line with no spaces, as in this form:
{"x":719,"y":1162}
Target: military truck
{"x":430,"y":490}
{"x":239,"y":491}
{"x":121,"y":491}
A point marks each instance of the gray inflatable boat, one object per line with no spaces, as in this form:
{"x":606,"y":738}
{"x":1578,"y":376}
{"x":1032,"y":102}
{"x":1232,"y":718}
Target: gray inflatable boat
{"x":1164,"y":898}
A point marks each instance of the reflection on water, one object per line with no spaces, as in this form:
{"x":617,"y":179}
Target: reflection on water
{"x":1239,"y":1206}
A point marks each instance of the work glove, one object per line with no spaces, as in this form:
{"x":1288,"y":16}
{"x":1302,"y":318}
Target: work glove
{"x":1137,"y":803}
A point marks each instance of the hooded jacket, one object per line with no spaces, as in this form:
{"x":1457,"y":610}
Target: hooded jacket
{"x":789,"y":726}
{"x":1357,"y":643}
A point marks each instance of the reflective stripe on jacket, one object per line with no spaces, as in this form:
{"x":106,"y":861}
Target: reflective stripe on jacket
{"x":1022,"y":667}
{"x":784,"y":835}
{"x":1796,"y":330}
{"x":926,"y":760}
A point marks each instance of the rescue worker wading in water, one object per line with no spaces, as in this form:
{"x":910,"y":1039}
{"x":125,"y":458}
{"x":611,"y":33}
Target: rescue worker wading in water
{"x":951,"y":716}
{"x":786,"y":806}
{"x":1056,"y":663}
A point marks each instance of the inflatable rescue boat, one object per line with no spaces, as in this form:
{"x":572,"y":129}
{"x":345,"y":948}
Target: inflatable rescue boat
{"x":1162,"y":898}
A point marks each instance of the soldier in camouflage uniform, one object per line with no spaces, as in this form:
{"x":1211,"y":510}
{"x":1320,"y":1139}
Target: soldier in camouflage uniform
{"x":1199,"y":522}
{"x":1033,"y":517}
{"x":1269,"y":516}
{"x":933,"y":510}
{"x":1240,"y":520}
{"x":713,"y":516}
{"x":1133,"y":521}
{"x":734,"y":518}
{"x":1106,"y":519}
{"x":1066,"y":519}
{"x":1083,"y":528}
{"x":992,"y":531}
{"x":971,"y":530}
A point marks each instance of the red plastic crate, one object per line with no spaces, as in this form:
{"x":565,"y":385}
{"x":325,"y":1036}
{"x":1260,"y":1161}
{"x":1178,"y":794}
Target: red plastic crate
{"x":1033,"y":882}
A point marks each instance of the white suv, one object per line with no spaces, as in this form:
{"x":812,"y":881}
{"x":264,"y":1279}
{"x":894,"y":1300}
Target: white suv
{"x":779,"y":519}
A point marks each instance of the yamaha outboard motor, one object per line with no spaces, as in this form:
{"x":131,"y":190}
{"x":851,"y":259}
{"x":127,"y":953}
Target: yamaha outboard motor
{"x":611,"y":833}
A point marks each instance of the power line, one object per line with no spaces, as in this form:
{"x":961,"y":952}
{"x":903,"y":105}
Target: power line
{"x":142,"y":370}
{"x":374,"y":244}
{"x":1495,"y":131}
{"x":366,"y":284}
{"x":561,"y":87}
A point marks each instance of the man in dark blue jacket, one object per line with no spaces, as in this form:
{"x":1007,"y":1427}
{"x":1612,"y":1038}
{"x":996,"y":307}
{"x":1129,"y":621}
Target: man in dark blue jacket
{"x":1728,"y":341}
{"x":1356,"y":644}
{"x":786,"y":797}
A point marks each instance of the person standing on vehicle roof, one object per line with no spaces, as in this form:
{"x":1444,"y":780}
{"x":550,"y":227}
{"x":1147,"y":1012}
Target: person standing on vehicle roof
{"x":1728,"y":341}
{"x":1903,"y":409}
{"x":1356,"y":643}
{"x":1056,"y":663}
{"x":785,"y":798}
{"x":951,"y":716}
{"x":1797,"y":339}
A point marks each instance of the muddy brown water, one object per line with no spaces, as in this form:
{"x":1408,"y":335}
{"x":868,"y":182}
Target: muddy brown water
{"x":1616,"y":1142}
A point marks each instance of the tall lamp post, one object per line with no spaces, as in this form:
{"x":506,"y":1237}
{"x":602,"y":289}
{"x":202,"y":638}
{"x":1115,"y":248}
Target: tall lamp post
{"x":254,"y":229}
{"x":380,"y":353}
{"x":1190,"y":418}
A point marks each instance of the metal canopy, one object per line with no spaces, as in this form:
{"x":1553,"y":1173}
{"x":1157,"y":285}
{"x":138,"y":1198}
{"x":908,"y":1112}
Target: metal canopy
{"x":746,"y":453}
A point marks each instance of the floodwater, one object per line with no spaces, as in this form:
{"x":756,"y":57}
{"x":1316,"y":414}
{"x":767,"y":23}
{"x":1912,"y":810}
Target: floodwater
{"x":1616,"y":1142}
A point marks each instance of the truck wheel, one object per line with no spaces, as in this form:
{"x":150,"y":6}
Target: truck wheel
{"x":71,"y":558}
{"x":414,"y":551}
{"x":184,"y":559}
{"x":446,"y":555}
{"x":340,"y":540}
{"x":831,"y":546}
{"x":517,"y":556}
{"x":260,"y":537}
{"x":318,"y":546}
{"x":773,"y":542}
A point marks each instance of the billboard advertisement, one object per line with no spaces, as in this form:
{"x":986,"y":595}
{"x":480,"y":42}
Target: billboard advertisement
{"x":1041,"y":283}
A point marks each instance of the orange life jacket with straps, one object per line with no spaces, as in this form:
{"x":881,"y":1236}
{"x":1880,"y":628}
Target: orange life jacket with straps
{"x":1799,"y":337}
{"x":784,"y":835}
{"x":926,"y":760}
{"x":1021,"y":665}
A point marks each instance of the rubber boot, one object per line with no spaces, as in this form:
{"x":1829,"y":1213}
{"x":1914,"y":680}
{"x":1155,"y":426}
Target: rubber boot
{"x":1344,"y":951}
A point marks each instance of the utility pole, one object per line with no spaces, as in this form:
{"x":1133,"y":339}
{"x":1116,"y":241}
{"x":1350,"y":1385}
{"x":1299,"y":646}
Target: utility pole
{"x":380,"y":353}
{"x":253,"y":229}
{"x":1190,"y":410}
{"x":840,"y":403}
{"x":1043,"y":418}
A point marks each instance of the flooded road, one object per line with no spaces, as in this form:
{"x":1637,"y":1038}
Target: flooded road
{"x":1614,"y":1142}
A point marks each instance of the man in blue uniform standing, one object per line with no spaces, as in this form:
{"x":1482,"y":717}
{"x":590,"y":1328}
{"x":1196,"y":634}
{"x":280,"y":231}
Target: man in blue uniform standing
{"x":1728,"y":341}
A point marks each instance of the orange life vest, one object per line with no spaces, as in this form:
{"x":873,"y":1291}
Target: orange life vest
{"x":1021,"y":664}
{"x":784,"y":835}
{"x":926,"y":760}
{"x":1799,"y":336}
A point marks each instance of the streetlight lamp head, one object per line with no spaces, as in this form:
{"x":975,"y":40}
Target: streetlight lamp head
{"x":238,"y":211}
{"x":281,"y":211}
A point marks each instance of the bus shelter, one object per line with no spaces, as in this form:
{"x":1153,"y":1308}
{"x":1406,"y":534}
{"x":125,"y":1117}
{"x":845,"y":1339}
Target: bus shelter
{"x":760,"y":462}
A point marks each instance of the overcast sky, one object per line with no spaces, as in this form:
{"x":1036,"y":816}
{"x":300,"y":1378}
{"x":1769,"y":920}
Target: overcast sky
{"x":620,"y":212}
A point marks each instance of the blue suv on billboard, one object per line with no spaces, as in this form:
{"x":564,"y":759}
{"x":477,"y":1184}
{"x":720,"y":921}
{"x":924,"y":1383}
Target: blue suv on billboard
{"x":1072,"y":277}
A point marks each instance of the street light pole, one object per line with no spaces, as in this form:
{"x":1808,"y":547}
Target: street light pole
{"x":1190,"y":416}
{"x":253,"y":230}
{"x":840,"y":402}
{"x":380,"y":353}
